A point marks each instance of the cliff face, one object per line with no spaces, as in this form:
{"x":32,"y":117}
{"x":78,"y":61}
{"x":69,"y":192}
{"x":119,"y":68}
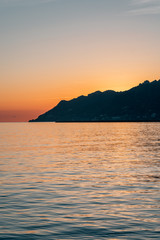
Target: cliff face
{"x":141,"y":103}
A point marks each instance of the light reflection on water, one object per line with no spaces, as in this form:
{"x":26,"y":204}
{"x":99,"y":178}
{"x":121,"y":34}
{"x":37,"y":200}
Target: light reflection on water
{"x":80,"y":181}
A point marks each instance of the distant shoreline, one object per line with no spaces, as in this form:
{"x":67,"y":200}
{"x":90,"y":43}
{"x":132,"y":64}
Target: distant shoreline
{"x":138,"y":104}
{"x":95,"y":121}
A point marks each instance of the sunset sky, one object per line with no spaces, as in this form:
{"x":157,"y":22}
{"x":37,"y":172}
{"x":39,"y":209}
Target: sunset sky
{"x":59,"y":49}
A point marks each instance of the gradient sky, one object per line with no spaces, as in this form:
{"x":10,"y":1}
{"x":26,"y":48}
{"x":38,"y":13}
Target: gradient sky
{"x":59,"y":49}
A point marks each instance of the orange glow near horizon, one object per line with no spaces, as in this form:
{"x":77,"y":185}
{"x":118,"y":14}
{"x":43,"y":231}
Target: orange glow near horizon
{"x":26,"y":105}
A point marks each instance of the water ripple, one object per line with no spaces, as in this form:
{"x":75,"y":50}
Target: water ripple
{"x":80,"y":181}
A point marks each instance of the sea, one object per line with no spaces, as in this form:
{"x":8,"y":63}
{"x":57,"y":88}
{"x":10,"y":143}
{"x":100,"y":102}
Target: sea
{"x":79,"y":181}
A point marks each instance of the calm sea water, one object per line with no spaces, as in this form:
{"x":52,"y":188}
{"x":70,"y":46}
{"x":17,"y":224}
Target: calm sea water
{"x":80,"y":181}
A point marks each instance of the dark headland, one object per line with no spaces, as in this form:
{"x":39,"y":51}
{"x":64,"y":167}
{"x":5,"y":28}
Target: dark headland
{"x":138,"y":104}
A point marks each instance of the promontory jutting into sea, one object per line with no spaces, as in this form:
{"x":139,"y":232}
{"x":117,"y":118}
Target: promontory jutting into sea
{"x":139,"y":104}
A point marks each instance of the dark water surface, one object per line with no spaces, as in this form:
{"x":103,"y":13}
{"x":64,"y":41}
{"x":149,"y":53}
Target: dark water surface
{"x":80,"y":181}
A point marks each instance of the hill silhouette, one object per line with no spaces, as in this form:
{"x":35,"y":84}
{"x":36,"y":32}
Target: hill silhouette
{"x":141,"y":103}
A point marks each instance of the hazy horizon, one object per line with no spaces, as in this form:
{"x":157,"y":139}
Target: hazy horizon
{"x":5,"y":117}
